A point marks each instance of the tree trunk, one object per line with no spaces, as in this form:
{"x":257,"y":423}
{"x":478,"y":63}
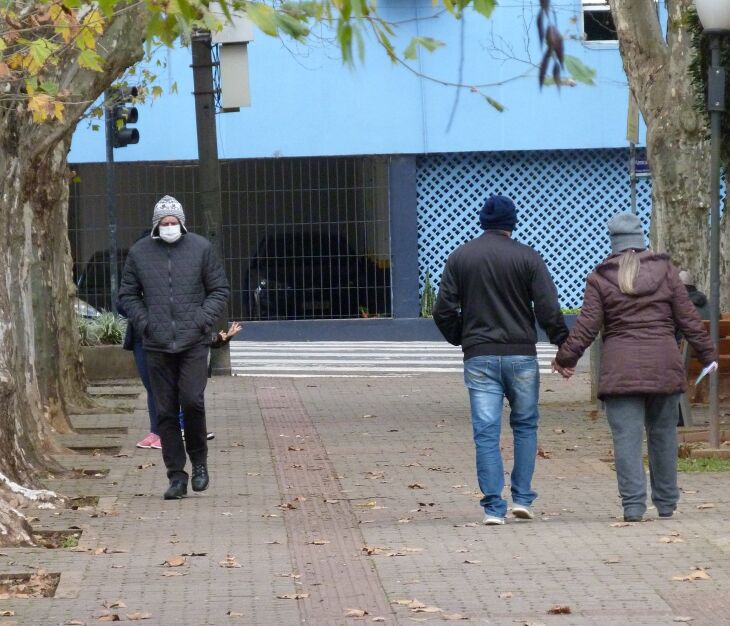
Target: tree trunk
{"x":58,"y":354}
{"x":677,"y":147}
{"x":25,"y":443}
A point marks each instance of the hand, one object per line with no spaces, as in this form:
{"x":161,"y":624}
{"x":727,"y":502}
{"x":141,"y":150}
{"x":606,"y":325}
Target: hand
{"x":565,"y":372}
{"x":233,"y":330}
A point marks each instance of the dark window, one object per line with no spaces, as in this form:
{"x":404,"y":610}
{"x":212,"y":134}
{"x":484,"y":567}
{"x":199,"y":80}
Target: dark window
{"x":598,"y":23}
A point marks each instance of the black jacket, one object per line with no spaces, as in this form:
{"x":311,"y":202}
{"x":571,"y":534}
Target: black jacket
{"x":173,"y":293}
{"x":485,"y":302}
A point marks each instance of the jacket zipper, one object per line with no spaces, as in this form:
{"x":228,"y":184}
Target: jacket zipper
{"x":172,"y":309}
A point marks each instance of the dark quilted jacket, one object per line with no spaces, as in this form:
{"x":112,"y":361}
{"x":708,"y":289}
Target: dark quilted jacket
{"x":640,"y":353}
{"x":173,"y":293}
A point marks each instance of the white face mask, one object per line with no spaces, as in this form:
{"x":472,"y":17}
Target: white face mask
{"x":170,"y":234}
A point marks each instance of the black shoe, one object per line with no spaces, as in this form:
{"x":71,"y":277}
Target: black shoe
{"x":200,"y":477}
{"x":177,"y":489}
{"x":633,"y":518}
{"x":666,"y":514}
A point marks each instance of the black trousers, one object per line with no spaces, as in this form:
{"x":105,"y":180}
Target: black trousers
{"x":178,"y":382}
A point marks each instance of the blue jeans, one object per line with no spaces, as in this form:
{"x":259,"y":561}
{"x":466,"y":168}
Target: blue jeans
{"x":489,"y":380}
{"x":140,"y":360}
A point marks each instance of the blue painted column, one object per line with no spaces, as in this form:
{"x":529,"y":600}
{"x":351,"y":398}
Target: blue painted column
{"x":404,"y":237}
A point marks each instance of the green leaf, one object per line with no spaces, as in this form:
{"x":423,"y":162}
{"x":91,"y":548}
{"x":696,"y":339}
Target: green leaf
{"x":291,"y":26}
{"x":429,"y":43}
{"x":49,"y":87}
{"x":156,"y":91}
{"x":485,"y":7}
{"x":344,"y":36}
{"x":263,"y":16}
{"x":90,"y":60}
{"x":95,"y":127}
{"x":582,"y":73}
{"x":492,"y":102}
{"x":107,"y":6}
{"x":173,"y":87}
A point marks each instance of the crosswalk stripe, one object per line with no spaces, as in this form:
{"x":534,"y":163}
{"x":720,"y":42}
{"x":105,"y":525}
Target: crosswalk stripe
{"x":351,"y":359}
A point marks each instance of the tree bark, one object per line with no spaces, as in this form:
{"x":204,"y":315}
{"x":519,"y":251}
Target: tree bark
{"x":39,"y":352}
{"x":677,"y":133}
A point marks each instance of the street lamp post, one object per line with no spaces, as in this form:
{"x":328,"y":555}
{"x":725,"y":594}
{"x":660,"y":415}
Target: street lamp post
{"x":715,"y":18}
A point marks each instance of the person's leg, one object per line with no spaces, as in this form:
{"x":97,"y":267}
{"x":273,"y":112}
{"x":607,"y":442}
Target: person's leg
{"x":164,"y":372}
{"x":626,"y":419}
{"x":140,"y":360}
{"x":661,"y":438}
{"x":521,"y":379}
{"x":486,"y":396}
{"x":193,"y":379}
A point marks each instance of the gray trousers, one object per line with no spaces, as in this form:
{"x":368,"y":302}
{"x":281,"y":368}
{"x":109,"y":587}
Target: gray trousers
{"x":628,"y":416}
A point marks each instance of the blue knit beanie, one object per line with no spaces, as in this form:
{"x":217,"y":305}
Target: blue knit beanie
{"x":498,"y":213}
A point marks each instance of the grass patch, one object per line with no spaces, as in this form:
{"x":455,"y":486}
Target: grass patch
{"x":703,"y":465}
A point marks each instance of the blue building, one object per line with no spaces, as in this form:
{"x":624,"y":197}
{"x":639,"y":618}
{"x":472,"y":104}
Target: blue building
{"x":344,"y":189}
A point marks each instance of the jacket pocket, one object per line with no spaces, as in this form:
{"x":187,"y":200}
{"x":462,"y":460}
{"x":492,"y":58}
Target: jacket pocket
{"x":202,"y":321}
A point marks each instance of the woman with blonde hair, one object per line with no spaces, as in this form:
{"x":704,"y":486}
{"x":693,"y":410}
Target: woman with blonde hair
{"x":638,"y":299}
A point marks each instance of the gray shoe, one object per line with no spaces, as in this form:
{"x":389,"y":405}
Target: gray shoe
{"x":520,"y":511}
{"x":493,"y":520}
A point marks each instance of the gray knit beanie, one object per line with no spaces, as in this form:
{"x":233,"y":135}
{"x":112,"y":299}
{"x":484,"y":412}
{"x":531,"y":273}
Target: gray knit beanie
{"x":626,"y":232}
{"x":167,"y":205}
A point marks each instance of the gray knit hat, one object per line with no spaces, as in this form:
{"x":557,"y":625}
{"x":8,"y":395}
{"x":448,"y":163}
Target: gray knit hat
{"x":626,"y":232}
{"x":167,"y":205}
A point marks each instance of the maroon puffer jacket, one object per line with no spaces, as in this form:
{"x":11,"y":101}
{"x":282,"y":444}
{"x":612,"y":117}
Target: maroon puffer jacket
{"x":640,"y":353}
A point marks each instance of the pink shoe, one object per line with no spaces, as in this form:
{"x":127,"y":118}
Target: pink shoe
{"x":147,"y":441}
{"x":156,"y":443}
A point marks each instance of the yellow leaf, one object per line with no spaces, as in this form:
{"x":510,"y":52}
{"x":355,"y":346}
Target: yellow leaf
{"x":58,"y":108}
{"x":94,"y":21}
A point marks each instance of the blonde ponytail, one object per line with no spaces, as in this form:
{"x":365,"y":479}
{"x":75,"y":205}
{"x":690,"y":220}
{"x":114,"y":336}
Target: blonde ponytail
{"x":628,"y":270}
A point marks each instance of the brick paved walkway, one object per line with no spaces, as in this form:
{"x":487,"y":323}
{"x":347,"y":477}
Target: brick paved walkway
{"x":361,"y":494}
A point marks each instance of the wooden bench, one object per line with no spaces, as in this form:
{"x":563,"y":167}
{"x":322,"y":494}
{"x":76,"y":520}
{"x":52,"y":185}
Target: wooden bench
{"x":700,"y":393}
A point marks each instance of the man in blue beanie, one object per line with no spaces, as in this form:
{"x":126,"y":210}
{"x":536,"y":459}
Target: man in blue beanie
{"x":493,"y":290}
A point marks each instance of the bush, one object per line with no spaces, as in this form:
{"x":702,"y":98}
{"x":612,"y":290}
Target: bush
{"x":106,"y":329}
{"x":428,"y":297}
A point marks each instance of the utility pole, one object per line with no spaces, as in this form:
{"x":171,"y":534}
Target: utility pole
{"x":209,"y":176}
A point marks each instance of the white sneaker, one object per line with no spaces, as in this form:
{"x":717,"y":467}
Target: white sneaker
{"x":493,"y":520}
{"x":520,"y":511}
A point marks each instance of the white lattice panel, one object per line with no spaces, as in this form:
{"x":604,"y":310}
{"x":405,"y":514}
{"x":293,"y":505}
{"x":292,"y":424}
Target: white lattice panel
{"x":563,"y":198}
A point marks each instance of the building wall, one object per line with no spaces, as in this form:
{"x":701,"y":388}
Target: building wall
{"x":306,"y":103}
{"x":564,"y":199}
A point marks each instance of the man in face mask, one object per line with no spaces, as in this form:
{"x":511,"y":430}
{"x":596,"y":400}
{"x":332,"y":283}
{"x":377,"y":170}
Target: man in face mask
{"x":173,"y":290}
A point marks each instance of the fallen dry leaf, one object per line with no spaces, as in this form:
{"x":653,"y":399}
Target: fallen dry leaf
{"x":75,"y":622}
{"x":7,"y":613}
{"x":253,"y":473}
{"x":467,"y":525}
{"x":416,"y":604}
{"x":230,"y":561}
{"x":355,"y":612}
{"x":378,"y":619}
{"x":620,"y":524}
{"x":294,"y":449}
{"x":560,"y":609}
{"x":697,"y":573}
{"x":137,"y":615}
{"x":116,"y":604}
{"x":234,"y":614}
{"x":504,"y":595}
{"x":293,"y":596}
{"x":110,"y":617}
{"x":427,"y":609}
{"x":145,"y":465}
{"x":706,"y":505}
{"x":319,"y":542}
{"x":611,"y":561}
{"x":369,"y":415}
{"x":416,"y":486}
{"x":404,"y":520}
{"x":452,"y":617}
{"x":543,"y":454}
{"x":169,"y":574}
{"x":683,"y":618}
{"x":369,"y":550}
{"x":671,"y":539}
{"x":331,"y":501}
{"x":176,"y":561}
{"x":371,"y":504}
{"x":468,"y":562}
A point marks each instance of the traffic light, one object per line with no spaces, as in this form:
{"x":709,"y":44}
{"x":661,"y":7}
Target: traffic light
{"x":121,"y":116}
